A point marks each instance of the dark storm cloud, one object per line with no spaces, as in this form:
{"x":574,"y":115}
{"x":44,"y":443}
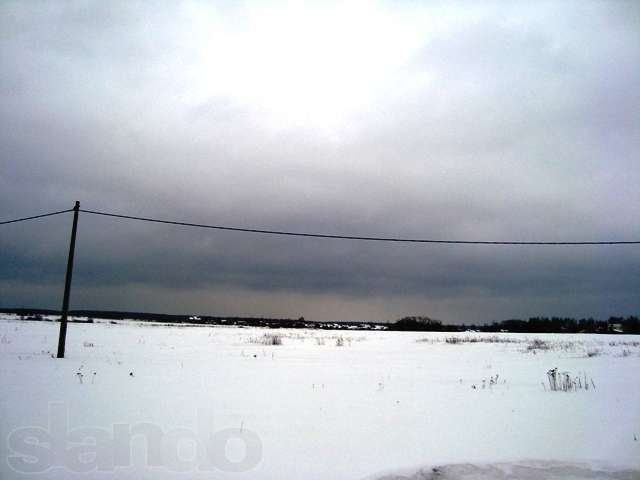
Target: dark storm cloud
{"x":501,"y":123}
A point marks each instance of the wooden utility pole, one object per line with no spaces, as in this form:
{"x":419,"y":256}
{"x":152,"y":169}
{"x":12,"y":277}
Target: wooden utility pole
{"x":67,"y":283}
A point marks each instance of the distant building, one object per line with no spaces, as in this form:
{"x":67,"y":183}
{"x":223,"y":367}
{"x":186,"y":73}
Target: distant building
{"x":615,"y":327}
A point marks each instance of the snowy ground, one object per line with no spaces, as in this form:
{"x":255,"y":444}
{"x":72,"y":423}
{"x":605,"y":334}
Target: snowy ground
{"x":201,"y":402}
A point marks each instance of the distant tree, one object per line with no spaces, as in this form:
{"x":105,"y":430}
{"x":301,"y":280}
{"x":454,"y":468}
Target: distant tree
{"x":631,"y":325}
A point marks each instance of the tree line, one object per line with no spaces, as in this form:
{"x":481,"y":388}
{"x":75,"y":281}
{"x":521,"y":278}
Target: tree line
{"x":629,"y":324}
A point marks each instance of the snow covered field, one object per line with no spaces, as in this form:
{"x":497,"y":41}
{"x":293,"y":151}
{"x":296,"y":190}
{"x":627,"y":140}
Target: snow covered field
{"x":158,"y":401}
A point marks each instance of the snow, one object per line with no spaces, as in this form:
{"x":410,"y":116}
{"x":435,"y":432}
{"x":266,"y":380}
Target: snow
{"x":383,"y":405}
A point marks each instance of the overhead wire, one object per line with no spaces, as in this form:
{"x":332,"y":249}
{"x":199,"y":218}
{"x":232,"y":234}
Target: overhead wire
{"x":33,"y":217}
{"x":323,"y":235}
{"x":353,"y":237}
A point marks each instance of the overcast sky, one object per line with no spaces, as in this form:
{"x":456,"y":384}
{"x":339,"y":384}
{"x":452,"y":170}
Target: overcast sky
{"x":470,"y":120}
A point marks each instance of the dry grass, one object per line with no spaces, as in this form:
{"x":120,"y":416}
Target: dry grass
{"x":537,"y":344}
{"x":454,"y":340}
{"x":565,"y":382}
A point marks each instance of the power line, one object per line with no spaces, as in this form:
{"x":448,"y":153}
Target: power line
{"x":35,"y":216}
{"x":348,"y":237}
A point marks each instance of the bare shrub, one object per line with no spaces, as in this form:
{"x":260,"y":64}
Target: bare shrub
{"x":339,"y":342}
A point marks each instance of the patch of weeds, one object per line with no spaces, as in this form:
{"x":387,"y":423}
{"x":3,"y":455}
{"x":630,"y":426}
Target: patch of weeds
{"x":267,"y":339}
{"x":537,"y":344}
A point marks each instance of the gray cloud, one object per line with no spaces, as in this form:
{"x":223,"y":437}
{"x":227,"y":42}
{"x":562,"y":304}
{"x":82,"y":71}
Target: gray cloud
{"x":442,"y":121}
